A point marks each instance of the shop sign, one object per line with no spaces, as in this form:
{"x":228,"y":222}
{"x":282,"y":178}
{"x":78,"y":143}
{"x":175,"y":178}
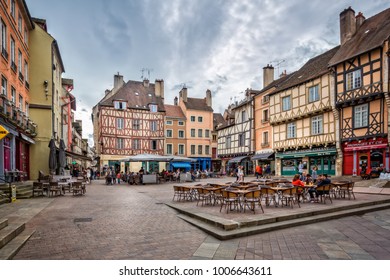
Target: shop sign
{"x":307,"y":152}
{"x":3,"y":132}
{"x":378,"y":143}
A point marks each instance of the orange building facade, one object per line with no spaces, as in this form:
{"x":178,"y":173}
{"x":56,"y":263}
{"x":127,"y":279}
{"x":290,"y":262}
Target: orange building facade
{"x":15,"y":26}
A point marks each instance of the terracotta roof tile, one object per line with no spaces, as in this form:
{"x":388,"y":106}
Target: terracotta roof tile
{"x":197,"y":104}
{"x":373,"y":32}
{"x":174,"y":111}
{"x":314,"y":68}
{"x":137,"y":96}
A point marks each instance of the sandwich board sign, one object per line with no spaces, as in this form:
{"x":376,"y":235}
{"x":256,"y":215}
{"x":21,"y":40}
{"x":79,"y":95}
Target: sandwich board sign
{"x":3,"y":132}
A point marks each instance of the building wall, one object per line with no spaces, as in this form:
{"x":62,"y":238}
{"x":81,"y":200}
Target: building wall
{"x":175,"y":141}
{"x":43,"y":97}
{"x":206,"y":124}
{"x":15,"y":73}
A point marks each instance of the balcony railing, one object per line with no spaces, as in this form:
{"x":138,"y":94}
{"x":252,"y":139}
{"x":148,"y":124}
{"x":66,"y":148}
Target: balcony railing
{"x":265,"y":145}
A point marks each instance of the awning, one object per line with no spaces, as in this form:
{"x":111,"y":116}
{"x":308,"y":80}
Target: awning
{"x":26,"y":138}
{"x":263,"y":156}
{"x":237,"y":159}
{"x":181,"y":165}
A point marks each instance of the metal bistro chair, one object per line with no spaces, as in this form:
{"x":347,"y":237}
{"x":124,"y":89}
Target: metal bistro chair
{"x":230,"y":199}
{"x":324,"y":192}
{"x":251,"y":199}
{"x":77,"y":188}
{"x":54,"y":188}
{"x":290,"y":196}
{"x":37,"y":189}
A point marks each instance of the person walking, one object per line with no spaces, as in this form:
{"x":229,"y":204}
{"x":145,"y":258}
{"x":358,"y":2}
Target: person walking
{"x":259,"y":171}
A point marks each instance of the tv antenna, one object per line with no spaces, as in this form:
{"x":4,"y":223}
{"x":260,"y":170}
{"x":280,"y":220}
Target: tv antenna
{"x":277,"y":64}
{"x":145,"y":71}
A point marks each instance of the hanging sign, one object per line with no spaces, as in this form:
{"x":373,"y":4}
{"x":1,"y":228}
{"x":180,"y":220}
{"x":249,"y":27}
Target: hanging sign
{"x":3,"y":132}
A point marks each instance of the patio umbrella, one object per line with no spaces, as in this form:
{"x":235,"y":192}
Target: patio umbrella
{"x":148,"y":157}
{"x":62,"y":157}
{"x":52,"y":157}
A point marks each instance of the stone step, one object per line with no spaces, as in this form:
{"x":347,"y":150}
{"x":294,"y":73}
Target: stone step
{"x":226,"y":224}
{"x":222,"y":234}
{"x":10,"y":232}
{"x":12,"y":248}
{"x":3,"y":223}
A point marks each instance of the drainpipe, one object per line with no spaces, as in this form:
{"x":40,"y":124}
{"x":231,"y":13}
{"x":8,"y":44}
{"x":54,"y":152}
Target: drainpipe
{"x":53,"y":44}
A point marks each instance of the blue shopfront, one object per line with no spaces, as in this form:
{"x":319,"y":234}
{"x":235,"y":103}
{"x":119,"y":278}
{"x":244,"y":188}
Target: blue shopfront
{"x":324,"y":159}
{"x":183,"y":166}
{"x":201,"y":164}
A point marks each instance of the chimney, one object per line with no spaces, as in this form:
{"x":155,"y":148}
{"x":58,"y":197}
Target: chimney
{"x":284,"y":74}
{"x":146,"y":83}
{"x":159,"y":85}
{"x":107,"y":92}
{"x":268,"y":75}
{"x":175,"y":101}
{"x":347,"y":25}
{"x":118,"y":81}
{"x":359,"y":20}
{"x":183,"y":94}
{"x":209,"y":98}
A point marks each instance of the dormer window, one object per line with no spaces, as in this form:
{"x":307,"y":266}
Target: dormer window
{"x":120,"y":105}
{"x":153,"y":108}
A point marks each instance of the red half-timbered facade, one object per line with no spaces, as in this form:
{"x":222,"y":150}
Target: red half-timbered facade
{"x":129,"y":120}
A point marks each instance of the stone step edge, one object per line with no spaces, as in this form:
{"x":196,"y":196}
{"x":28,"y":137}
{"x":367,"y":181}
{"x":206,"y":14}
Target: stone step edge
{"x":247,"y":231}
{"x":9,"y":251}
{"x":3,"y":223}
{"x":10,"y":232}
{"x":227,"y":224}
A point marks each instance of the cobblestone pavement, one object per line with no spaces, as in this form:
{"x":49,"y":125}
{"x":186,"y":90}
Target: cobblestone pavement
{"x":132,"y":222}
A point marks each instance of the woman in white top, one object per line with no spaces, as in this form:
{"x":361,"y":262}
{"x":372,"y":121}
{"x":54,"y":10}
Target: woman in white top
{"x":240,"y":174}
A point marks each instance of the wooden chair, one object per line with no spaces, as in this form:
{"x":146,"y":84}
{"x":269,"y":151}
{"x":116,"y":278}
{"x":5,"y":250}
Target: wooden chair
{"x":268,"y":195}
{"x":251,"y":199}
{"x":289,"y":197}
{"x":203,"y":195}
{"x":54,"y":188}
{"x":324,"y":192}
{"x":177,"y":193}
{"x":77,"y":188}
{"x":229,"y":199}
{"x":347,"y":190}
{"x":37,"y":189}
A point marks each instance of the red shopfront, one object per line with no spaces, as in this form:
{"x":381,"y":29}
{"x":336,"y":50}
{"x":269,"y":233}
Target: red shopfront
{"x":374,"y":152}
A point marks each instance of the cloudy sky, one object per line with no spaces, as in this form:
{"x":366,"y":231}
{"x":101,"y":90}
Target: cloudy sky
{"x":221,"y":45}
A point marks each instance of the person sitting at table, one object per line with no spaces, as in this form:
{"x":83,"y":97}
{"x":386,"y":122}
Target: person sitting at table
{"x":297,"y":182}
{"x":309,"y":180}
{"x":302,"y":177}
{"x":321,"y":181}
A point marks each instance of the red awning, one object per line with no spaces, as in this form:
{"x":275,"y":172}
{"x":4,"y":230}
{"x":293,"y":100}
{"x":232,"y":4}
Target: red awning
{"x":370,"y":147}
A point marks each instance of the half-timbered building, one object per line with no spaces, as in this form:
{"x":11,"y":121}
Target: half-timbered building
{"x":216,"y":162}
{"x":361,"y":88}
{"x":302,"y":119}
{"x":130,"y":121}
{"x":236,"y":137}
